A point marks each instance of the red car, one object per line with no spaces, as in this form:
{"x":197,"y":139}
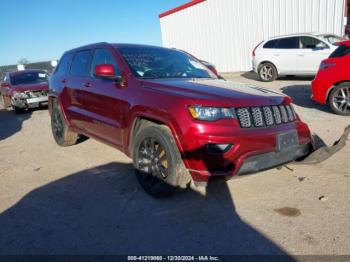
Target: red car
{"x":332,"y":83}
{"x":25,"y":89}
{"x":172,"y":115}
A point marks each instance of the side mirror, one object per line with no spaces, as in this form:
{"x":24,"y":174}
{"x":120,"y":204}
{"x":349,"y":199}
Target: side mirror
{"x":321,"y":46}
{"x":107,"y":71}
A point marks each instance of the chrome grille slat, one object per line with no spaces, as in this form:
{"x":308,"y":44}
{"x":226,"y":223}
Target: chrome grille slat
{"x":257,"y":117}
{"x":290,"y":113}
{"x":284,"y":114}
{"x":265,"y":116}
{"x":277,"y":115}
{"x":244,"y":117}
{"x":268,"y":115}
{"x":294,"y":114}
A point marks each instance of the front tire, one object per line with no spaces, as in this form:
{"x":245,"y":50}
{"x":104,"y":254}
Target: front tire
{"x":267,"y":72}
{"x":62,"y":135}
{"x":18,"y":110}
{"x":339,"y":99}
{"x":157,"y":161}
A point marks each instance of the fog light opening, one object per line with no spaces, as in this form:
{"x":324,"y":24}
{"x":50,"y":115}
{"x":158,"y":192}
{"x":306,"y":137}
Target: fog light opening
{"x":218,"y":148}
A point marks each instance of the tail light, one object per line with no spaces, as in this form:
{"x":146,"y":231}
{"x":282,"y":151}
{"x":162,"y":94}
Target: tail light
{"x":326,"y":65}
{"x":253,"y":53}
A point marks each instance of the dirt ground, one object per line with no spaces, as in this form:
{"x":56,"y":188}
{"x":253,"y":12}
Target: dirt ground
{"x":85,"y":199}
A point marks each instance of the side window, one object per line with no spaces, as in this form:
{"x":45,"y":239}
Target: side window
{"x":8,"y":79}
{"x":288,"y":43}
{"x":307,"y":42}
{"x":103,"y":56}
{"x":341,"y":51}
{"x":80,"y":64}
{"x":270,"y":44}
{"x":63,"y":66}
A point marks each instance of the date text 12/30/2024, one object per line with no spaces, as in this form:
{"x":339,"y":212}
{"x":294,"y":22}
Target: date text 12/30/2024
{"x":173,"y":258}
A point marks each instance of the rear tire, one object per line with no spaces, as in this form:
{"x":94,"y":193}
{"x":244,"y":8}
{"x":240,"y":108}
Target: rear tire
{"x":60,"y":131}
{"x":157,"y":161}
{"x":339,"y":99}
{"x":267,"y":72}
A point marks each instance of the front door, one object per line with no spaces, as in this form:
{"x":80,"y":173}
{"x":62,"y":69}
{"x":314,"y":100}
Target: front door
{"x":312,"y":51}
{"x":100,"y":99}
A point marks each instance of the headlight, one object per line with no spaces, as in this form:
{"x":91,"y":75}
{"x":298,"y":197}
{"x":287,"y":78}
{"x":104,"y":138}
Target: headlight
{"x":20,"y":96}
{"x":211,"y":113}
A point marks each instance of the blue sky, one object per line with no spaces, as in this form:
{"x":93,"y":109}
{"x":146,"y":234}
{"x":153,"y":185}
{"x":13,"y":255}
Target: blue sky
{"x":43,"y":29}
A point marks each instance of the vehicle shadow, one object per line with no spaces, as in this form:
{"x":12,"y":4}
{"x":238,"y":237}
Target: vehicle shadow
{"x":301,"y":96}
{"x":251,"y":75}
{"x":254,"y":76}
{"x":102,"y":210}
{"x":10,"y":123}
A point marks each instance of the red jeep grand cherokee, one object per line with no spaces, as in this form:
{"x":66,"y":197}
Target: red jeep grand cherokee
{"x":171,"y":115}
{"x":25,"y":89}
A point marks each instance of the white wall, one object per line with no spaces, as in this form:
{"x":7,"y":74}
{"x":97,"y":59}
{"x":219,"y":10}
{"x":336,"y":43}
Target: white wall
{"x":224,"y":32}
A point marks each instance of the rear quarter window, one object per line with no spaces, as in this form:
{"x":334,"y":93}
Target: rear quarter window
{"x":341,"y":51}
{"x":270,"y":44}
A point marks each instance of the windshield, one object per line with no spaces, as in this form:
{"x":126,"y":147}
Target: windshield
{"x":332,"y":39}
{"x":150,"y":62}
{"x":29,"y":78}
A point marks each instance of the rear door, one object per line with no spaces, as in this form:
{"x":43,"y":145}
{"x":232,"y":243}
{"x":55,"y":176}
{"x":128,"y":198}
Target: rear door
{"x":79,"y":72}
{"x":312,"y":51}
{"x":283,"y":55}
{"x":100,"y":99}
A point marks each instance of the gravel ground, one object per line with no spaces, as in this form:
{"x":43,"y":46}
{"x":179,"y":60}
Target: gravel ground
{"x":85,"y":199}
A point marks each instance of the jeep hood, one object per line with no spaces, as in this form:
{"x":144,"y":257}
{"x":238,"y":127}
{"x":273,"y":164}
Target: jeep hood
{"x":219,"y":91}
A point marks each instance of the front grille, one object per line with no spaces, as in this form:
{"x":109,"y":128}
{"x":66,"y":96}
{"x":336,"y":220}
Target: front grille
{"x":265,"y":116}
{"x":33,"y":94}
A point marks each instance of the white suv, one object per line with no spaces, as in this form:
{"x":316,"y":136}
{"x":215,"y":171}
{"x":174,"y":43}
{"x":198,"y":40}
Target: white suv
{"x":292,"y":55}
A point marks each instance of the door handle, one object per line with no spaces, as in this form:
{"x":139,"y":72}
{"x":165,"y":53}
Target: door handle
{"x":64,"y":81}
{"x":276,"y":54}
{"x":301,"y":55}
{"x":87,"y":84}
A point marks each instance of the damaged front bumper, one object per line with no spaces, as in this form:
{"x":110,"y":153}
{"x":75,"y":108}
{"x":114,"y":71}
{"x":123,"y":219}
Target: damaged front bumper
{"x":272,"y":159}
{"x":30,"y":99}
